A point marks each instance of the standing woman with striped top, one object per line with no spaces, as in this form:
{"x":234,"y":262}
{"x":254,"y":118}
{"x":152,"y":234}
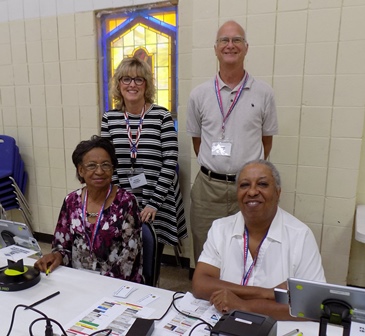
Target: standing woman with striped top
{"x":145,"y":141}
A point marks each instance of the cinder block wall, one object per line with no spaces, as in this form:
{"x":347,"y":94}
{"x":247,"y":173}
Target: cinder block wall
{"x":309,"y":51}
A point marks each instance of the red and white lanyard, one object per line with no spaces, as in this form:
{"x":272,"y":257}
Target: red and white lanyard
{"x":220,"y":104}
{"x":97,"y":224}
{"x":133,"y":143}
{"x":246,"y":276}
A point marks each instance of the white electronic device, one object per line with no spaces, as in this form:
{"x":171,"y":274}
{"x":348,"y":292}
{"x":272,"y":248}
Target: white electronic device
{"x":15,"y":233}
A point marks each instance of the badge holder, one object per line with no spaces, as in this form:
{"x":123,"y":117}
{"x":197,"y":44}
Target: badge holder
{"x":136,"y":178}
{"x":222,"y":147}
{"x":335,"y":312}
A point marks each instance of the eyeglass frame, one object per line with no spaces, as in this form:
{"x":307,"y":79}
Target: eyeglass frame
{"x":97,"y":165}
{"x":133,"y":79}
{"x":239,"y":40}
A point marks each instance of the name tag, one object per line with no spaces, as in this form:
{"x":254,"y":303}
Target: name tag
{"x":137,"y":181}
{"x":221,"y":148}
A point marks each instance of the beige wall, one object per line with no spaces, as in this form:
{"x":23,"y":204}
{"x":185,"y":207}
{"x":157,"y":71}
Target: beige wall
{"x":310,"y":51}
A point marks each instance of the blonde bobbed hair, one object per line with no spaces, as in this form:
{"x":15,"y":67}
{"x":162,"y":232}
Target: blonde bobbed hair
{"x":125,"y":68}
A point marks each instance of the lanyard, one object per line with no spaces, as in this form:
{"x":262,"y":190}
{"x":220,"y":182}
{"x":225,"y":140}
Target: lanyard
{"x":133,"y":144}
{"x":235,"y":100}
{"x":96,"y":226}
{"x":246,"y":276}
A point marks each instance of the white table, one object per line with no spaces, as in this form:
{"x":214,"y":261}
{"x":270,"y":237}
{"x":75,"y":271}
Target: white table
{"x":79,"y":290}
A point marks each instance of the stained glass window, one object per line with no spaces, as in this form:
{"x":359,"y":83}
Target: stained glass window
{"x":146,"y":33}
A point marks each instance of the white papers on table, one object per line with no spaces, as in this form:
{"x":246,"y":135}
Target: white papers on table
{"x":175,"y":323}
{"x":15,"y":252}
{"x":107,"y":313}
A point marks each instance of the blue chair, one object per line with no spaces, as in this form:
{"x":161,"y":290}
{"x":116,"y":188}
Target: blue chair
{"x":13,"y":178}
{"x":149,"y":240}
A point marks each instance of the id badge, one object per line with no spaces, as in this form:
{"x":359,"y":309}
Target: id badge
{"x":137,"y":181}
{"x":221,"y":148}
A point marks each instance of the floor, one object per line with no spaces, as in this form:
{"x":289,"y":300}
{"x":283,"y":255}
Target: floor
{"x":174,"y":278}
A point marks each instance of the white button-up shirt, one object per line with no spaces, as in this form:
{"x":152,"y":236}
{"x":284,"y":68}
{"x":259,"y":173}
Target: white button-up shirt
{"x":289,"y":250}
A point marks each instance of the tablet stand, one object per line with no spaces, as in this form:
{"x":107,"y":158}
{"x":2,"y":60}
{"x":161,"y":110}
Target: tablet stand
{"x":335,"y":312}
{"x":16,"y":276}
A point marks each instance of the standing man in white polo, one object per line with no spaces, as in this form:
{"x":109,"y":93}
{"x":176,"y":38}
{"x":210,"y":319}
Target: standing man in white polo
{"x":231,"y":119}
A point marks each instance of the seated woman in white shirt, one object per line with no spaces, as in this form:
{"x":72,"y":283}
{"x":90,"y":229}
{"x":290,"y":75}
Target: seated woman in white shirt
{"x":250,"y":253}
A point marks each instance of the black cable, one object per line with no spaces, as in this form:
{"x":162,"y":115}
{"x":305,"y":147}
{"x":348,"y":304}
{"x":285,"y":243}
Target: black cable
{"x":168,"y":308}
{"x":48,"y":320}
{"x":50,"y":332}
{"x":45,"y":318}
{"x":13,"y":315}
{"x":109,"y":331}
{"x":48,"y":326}
{"x":197,"y":325}
{"x":174,"y":298}
{"x":188,"y":315}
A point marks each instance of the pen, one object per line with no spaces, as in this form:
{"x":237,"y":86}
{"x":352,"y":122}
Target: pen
{"x":291,"y":333}
{"x":47,"y":271}
{"x":45,"y":299}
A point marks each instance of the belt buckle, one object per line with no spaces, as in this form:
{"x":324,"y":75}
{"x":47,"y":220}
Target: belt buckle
{"x":209,"y":171}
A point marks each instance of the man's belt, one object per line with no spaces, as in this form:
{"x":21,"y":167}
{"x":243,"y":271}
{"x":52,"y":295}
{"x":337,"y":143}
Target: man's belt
{"x":222,"y":177}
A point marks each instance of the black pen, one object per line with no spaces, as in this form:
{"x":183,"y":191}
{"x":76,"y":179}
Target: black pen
{"x":45,"y":299}
{"x":293,"y":332}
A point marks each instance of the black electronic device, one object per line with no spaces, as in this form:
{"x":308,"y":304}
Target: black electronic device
{"x":17,"y":276}
{"x":239,"y":323}
{"x":141,"y":327}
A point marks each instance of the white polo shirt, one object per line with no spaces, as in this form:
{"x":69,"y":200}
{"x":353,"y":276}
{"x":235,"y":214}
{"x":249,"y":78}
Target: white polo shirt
{"x":253,"y":117}
{"x":289,"y":250}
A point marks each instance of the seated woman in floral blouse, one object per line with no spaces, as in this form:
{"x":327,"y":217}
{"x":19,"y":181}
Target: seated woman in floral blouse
{"x":99,"y":227}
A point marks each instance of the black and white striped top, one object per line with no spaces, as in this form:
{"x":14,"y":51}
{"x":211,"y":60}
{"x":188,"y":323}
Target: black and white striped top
{"x":157,"y":156}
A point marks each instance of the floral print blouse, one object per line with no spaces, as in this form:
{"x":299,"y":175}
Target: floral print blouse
{"x":117,"y":247}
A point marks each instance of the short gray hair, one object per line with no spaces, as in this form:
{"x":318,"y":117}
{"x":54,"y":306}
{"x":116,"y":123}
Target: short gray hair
{"x":273,"y":169}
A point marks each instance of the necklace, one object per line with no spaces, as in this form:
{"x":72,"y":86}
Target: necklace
{"x":92,"y":214}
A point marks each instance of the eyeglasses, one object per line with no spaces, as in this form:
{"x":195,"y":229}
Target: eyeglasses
{"x":93,"y":166}
{"x":237,"y":40}
{"x":137,"y":80}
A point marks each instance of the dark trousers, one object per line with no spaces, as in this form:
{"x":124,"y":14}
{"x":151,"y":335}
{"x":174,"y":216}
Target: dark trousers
{"x":160,"y":248}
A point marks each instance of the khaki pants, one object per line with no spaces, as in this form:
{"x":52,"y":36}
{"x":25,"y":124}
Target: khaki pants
{"x":210,"y":199}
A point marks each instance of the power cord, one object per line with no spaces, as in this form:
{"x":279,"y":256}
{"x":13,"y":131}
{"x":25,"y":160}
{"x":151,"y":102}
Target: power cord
{"x":191,"y":316}
{"x":24,"y":306}
{"x":174,"y":298}
{"x":168,"y":308}
{"x":49,"y":328}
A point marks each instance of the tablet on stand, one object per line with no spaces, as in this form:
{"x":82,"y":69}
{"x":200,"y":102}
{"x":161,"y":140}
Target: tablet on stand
{"x":327,"y":303}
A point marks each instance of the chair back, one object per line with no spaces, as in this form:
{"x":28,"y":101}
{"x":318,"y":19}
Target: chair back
{"x":149,"y":240}
{"x":13,"y":179}
{"x":7,"y":156}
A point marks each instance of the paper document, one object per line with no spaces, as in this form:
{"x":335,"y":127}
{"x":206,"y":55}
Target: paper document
{"x":107,"y":313}
{"x":174,"y":323}
{"x":15,"y":252}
